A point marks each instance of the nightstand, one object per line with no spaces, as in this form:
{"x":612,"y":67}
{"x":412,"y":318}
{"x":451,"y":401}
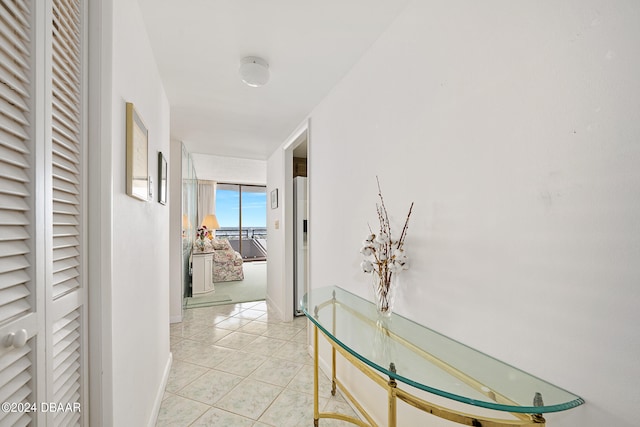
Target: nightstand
{"x":202,"y":280}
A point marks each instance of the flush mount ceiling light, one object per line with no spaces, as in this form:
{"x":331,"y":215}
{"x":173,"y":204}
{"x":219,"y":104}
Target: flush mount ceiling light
{"x":254,"y":71}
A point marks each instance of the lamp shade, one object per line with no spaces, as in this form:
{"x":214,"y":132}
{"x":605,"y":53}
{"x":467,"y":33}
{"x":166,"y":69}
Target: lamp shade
{"x":211,"y":222}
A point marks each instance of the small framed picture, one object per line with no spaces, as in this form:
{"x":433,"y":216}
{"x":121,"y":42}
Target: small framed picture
{"x":162,"y":179}
{"x":137,"y":142}
{"x":274,"y":199}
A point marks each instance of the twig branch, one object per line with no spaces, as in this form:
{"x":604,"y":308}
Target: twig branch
{"x":404,"y":229}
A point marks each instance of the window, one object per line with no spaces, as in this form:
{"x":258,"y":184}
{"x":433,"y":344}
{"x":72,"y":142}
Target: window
{"x":241,"y":211}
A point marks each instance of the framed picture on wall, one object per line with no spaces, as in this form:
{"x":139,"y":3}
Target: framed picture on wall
{"x":162,"y":179}
{"x":137,"y":158}
{"x":274,"y":199}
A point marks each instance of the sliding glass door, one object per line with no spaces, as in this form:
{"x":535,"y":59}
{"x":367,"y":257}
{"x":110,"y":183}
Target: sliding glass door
{"x":242,"y":214}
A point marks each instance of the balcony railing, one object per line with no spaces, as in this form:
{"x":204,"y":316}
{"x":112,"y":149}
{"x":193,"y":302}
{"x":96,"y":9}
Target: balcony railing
{"x":251,"y":242}
{"x":232,"y":233}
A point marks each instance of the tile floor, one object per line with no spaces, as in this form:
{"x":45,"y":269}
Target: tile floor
{"x":234,"y":365}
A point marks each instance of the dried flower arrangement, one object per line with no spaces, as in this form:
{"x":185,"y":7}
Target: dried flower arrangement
{"x":384,"y":257}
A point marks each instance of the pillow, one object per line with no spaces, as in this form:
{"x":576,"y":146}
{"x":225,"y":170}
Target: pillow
{"x":219,"y":245}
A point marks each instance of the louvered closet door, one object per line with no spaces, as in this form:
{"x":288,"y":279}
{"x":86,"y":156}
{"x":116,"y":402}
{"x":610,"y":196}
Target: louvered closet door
{"x":42,"y":352}
{"x":18,"y":319}
{"x":67,"y":323}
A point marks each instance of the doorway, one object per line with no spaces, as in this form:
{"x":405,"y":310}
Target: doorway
{"x":238,"y":258}
{"x":300,"y":223}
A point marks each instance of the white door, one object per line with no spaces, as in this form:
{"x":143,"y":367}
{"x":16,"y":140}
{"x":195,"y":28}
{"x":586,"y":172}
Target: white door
{"x":42,"y":147}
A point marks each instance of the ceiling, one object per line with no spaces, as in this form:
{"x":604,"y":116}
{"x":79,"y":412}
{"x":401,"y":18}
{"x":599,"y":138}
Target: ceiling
{"x":309,"y":45}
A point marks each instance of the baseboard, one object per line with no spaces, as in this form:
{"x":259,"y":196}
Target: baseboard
{"x":175,"y":319}
{"x":160,"y":392}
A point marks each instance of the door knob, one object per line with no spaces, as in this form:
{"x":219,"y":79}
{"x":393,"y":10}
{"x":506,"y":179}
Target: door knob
{"x":17,"y":339}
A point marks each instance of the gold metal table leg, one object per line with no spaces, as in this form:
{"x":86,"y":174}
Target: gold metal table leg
{"x":333,"y":371}
{"x":333,"y":350}
{"x":316,"y":410}
{"x":392,"y":398}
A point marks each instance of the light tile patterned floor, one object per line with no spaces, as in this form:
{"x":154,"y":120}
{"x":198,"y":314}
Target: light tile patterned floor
{"x":234,"y":365}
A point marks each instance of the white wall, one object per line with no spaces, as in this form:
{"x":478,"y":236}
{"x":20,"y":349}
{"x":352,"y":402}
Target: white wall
{"x":230,"y":169}
{"x":176,"y":288}
{"x":140,"y":281}
{"x":515,"y":128}
{"x":276,"y":276}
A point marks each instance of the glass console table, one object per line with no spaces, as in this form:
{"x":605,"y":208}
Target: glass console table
{"x":394,"y":351}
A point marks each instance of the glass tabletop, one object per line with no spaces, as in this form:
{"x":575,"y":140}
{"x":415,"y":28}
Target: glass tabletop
{"x":428,"y":360}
